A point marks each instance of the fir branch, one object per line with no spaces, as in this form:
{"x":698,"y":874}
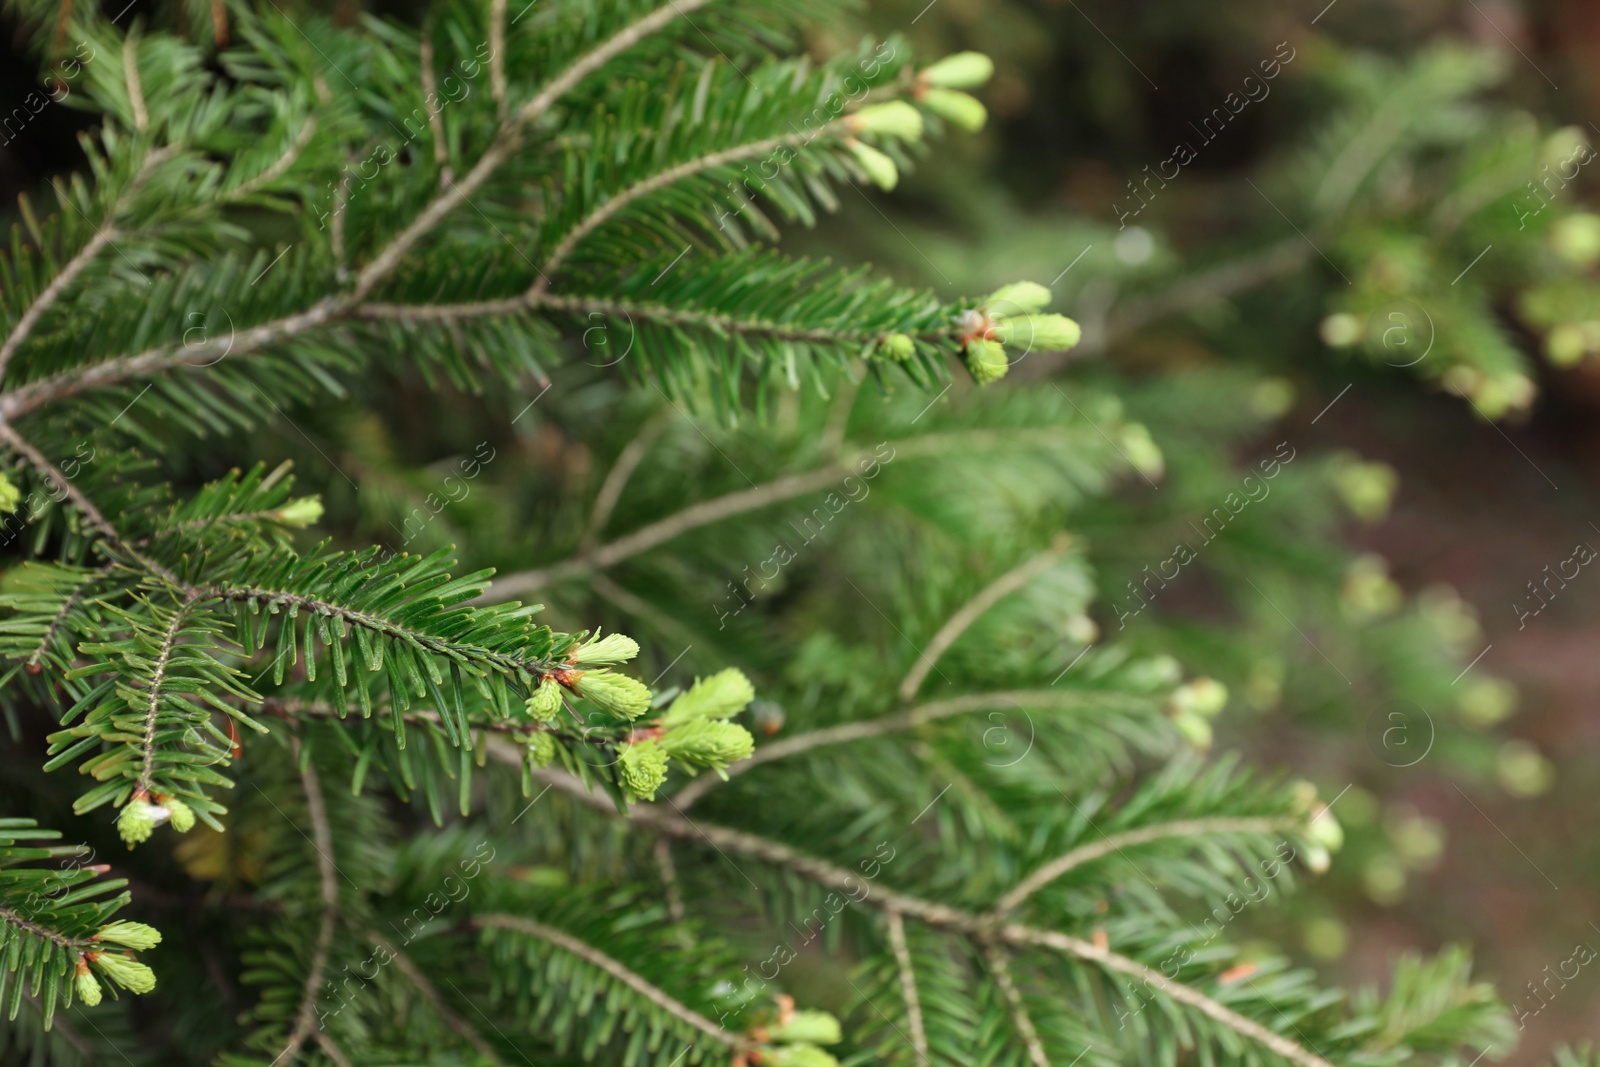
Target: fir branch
{"x":130,"y":74}
{"x":103,"y":236}
{"x":593,"y":956}
{"x":18,"y":402}
{"x":890,"y":724}
{"x":1110,"y":843}
{"x":1000,"y":967}
{"x":497,"y":54}
{"x":669,"y":879}
{"x":86,"y":507}
{"x":334,"y":1052}
{"x":908,"y":983}
{"x":787,"y":487}
{"x":980,"y":927}
{"x":508,"y":139}
{"x":1087,"y":950}
{"x":328,"y":884}
{"x":430,"y":91}
{"x":152,"y":714}
{"x":670,"y":176}
{"x":435,"y":1000}
{"x":280,"y":166}
{"x":628,"y":460}
{"x":1016,"y":578}
{"x":35,"y":660}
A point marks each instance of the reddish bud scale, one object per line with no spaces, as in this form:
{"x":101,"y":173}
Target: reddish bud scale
{"x":567,"y":678}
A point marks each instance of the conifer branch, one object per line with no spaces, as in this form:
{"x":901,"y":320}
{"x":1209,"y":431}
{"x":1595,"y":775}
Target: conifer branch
{"x":435,"y":1000}
{"x":103,"y":235}
{"x":1000,"y":967}
{"x":670,"y":176}
{"x":279,"y":166}
{"x":430,"y":91}
{"x":890,"y":724}
{"x":497,"y":56}
{"x":130,"y":75}
{"x":669,"y":879}
{"x":334,"y":1052}
{"x":86,"y":507}
{"x":1155,"y":980}
{"x":521,"y":583}
{"x":508,"y":139}
{"x":980,"y":927}
{"x":36,"y":659}
{"x":18,"y":402}
{"x":908,"y":983}
{"x":152,"y":711}
{"x":588,"y":953}
{"x":628,"y":460}
{"x":1016,"y":578}
{"x":327,"y":880}
{"x":663,"y":530}
{"x":1110,"y":843}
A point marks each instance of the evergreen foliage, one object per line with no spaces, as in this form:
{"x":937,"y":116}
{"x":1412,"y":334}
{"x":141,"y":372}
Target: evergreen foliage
{"x":428,"y":827}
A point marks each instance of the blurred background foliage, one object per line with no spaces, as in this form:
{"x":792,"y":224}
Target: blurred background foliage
{"x":1351,"y":238}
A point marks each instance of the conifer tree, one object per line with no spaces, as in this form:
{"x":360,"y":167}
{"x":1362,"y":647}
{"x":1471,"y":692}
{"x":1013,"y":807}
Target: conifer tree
{"x":378,"y":810}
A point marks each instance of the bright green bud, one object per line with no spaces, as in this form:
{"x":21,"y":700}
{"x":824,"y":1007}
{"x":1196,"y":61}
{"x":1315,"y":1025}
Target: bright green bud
{"x":1018,"y":298}
{"x":893,"y":118}
{"x":958,"y":109}
{"x":127,"y":973}
{"x":130,"y":935}
{"x":545,"y":703}
{"x":1368,"y":592}
{"x":798,"y":1056}
{"x":1039,"y":333}
{"x":10,"y":495}
{"x":1340,"y":330}
{"x":879,"y":168}
{"x":1202,"y":696}
{"x":541,"y":749}
{"x":617,"y":693}
{"x":1324,"y":830}
{"x":716,"y":697}
{"x":1272,"y":397}
{"x":1142,"y":451}
{"x":986,"y":360}
{"x":612,"y":648}
{"x":301,"y":513}
{"x":1317,"y":859}
{"x":137,"y":821}
{"x":1487,"y":701}
{"x":1566,"y":344}
{"x":1576,"y":239}
{"x":964,"y":70}
{"x":88,"y":988}
{"x":182,"y":814}
{"x":1195,"y":729}
{"x":708,"y":743}
{"x":898,"y":347}
{"x":812,"y":1027}
{"x":1366,"y":488}
{"x":641,"y":768}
